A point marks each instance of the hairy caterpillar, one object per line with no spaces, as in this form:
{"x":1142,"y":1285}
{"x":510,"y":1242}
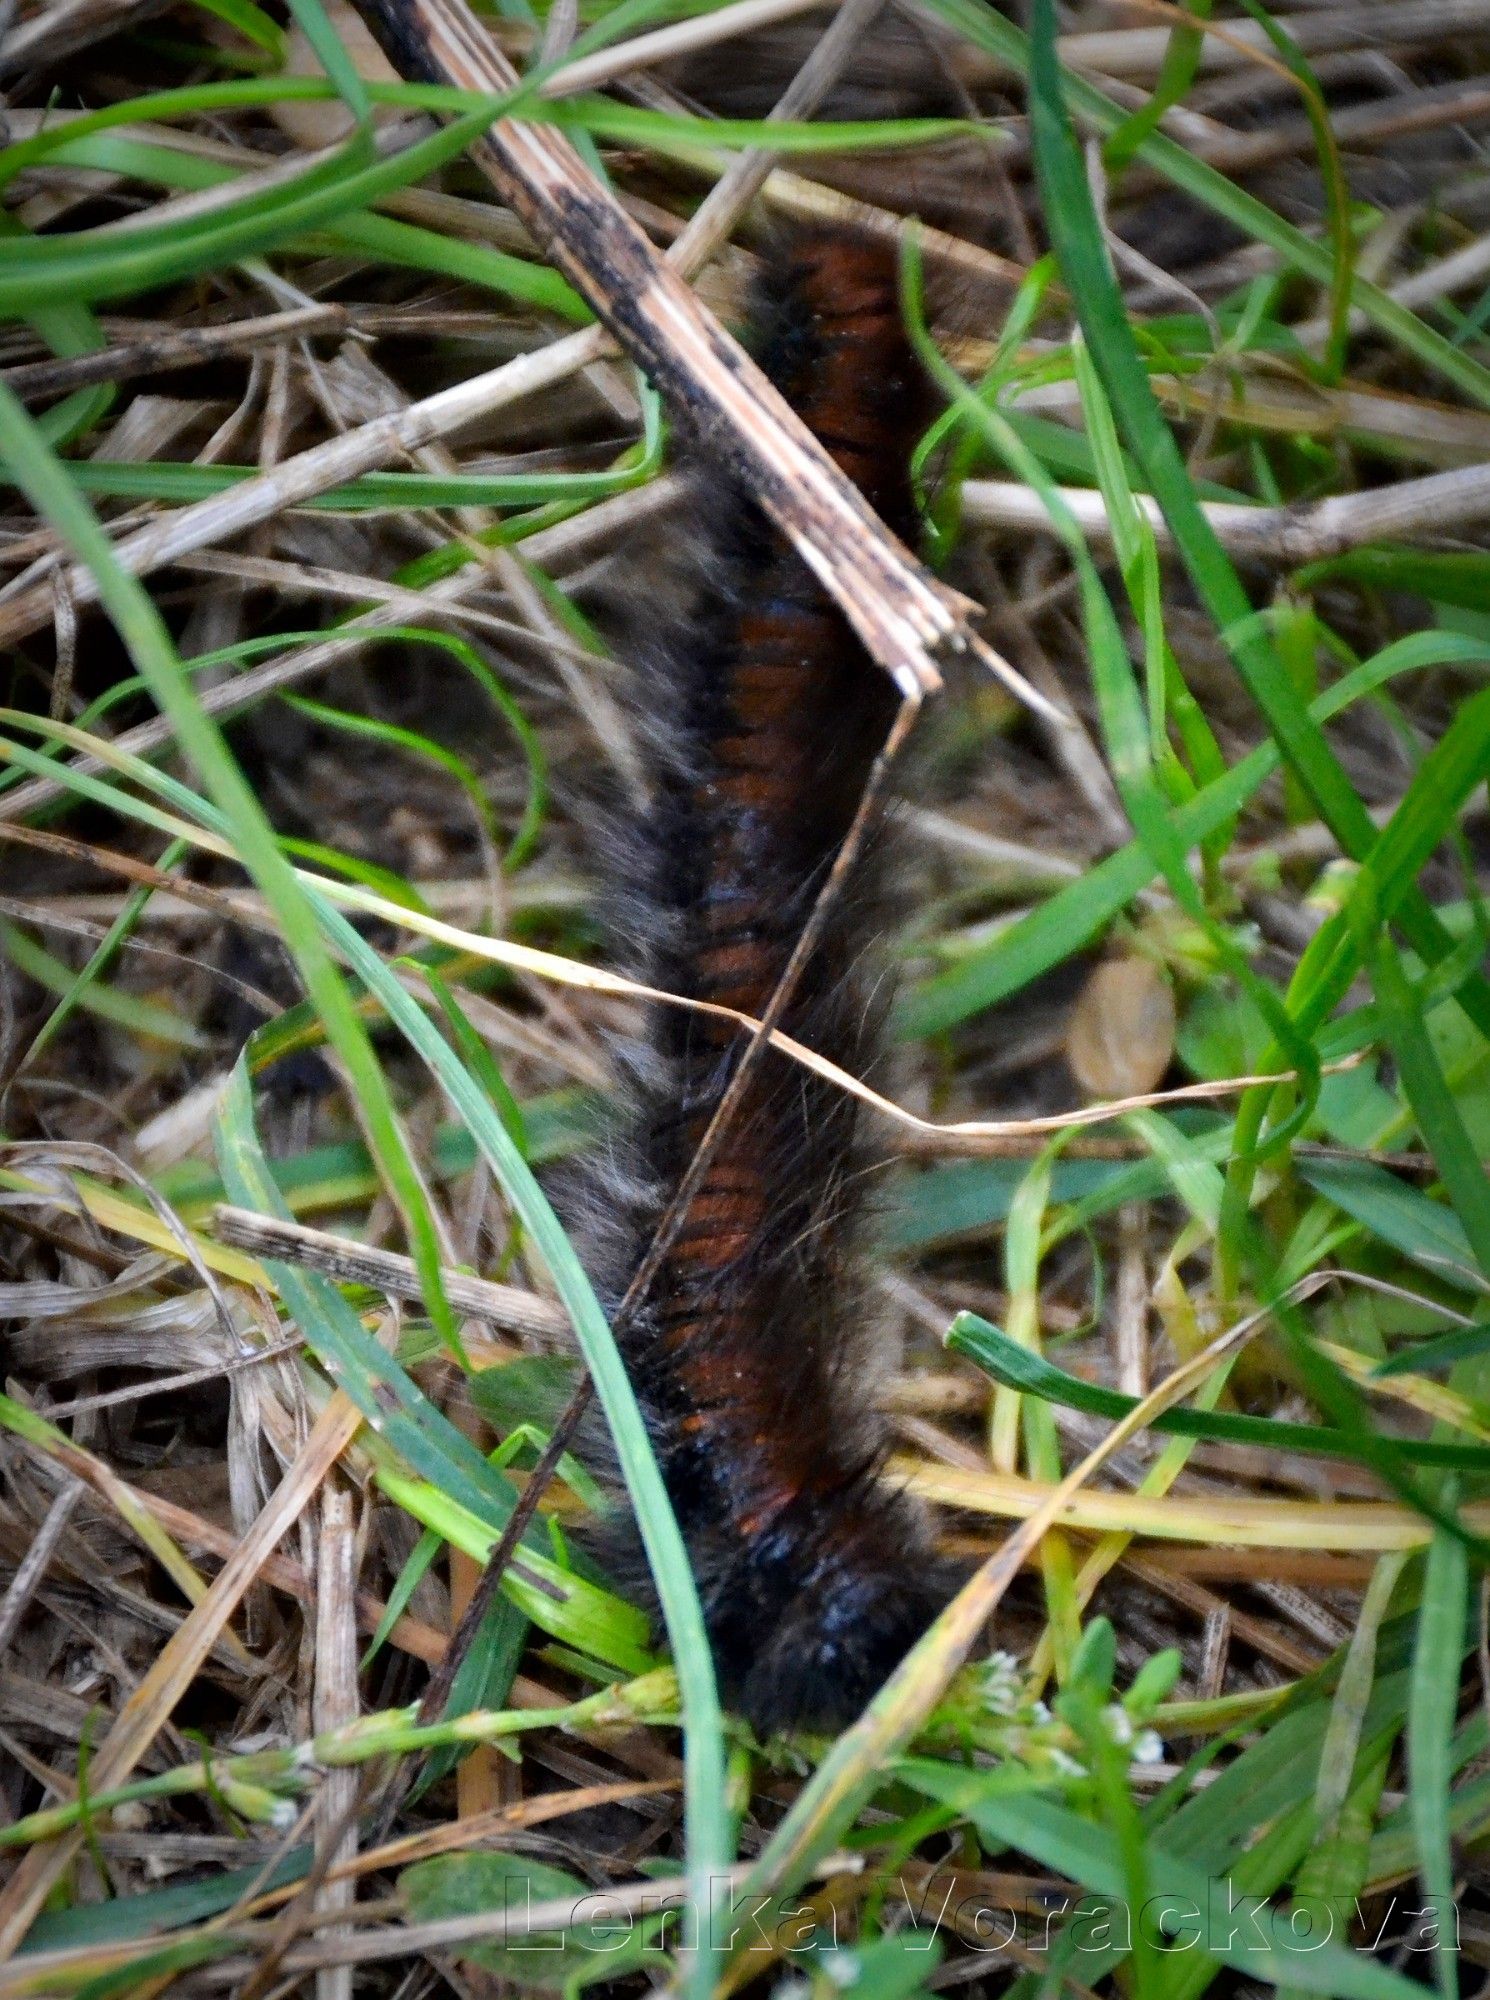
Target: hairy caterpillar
{"x":749,"y":1343}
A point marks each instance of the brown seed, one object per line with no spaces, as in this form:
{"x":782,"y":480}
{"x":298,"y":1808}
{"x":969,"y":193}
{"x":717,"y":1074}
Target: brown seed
{"x":1121,"y":1036}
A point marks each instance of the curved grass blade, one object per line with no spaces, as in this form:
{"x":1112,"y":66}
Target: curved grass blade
{"x":989,"y":29}
{"x":1076,"y":915}
{"x":1008,"y":1362}
{"x":149,"y":644}
{"x":1076,"y":234}
{"x":100,"y":959}
{"x":146,"y":1019}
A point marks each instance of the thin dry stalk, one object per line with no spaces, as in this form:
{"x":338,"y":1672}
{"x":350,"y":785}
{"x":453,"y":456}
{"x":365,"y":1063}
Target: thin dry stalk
{"x":310,"y":473}
{"x":291,"y":669}
{"x":336,"y":1703}
{"x":1138,"y":52}
{"x":150,"y":1705}
{"x":903,"y":616}
{"x":349,"y":1263}
{"x":34,"y":1564}
{"x":1409,"y":510}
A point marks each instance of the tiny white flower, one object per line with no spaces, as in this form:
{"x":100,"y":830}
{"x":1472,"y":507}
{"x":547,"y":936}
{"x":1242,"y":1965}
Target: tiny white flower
{"x":1119,"y":1723}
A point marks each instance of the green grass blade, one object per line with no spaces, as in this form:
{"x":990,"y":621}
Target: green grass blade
{"x":1198,"y":1914}
{"x":989,"y":29}
{"x":146,"y":1019}
{"x":1015,"y":1365}
{"x":706,"y":1819}
{"x":149,"y":644}
{"x":1432,"y":1709}
{"x":331,"y":54}
{"x":1076,"y":915}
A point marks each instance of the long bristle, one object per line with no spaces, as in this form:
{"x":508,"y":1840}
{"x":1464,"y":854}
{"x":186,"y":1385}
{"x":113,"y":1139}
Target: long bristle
{"x":752,"y":1346}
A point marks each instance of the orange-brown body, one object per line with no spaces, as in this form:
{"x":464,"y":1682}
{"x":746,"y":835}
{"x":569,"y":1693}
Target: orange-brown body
{"x":749,"y":1347}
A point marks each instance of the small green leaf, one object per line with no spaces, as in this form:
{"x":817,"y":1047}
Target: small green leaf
{"x":598,"y":1942}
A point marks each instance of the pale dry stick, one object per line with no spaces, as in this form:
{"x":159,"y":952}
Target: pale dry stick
{"x":1041,"y":869}
{"x":284,"y":671}
{"x":171,"y":1385}
{"x":628,"y":1900}
{"x":33,"y":1565}
{"x":297,"y":579}
{"x":717,"y":214}
{"x":1131,"y":1300}
{"x":1412,"y":509}
{"x":336,"y":1703}
{"x":1258,"y":1633}
{"x":1465,"y":266}
{"x":345,"y":1262}
{"x":902,"y":615}
{"x":1267,"y":395}
{"x":1138,"y":52}
{"x":313,"y":472}
{"x":182,"y":347}
{"x":1270,"y":401}
{"x":679,"y":38}
{"x":1463,"y":102}
{"x":657,"y":45}
{"x":151,"y":1703}
{"x":1069,"y":742}
{"x":802,"y":200}
{"x":65,"y":626}
{"x":52,"y":32}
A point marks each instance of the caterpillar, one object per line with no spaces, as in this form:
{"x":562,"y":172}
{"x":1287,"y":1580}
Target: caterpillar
{"x":735,"y":1289}
{"x":750,"y":1341}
